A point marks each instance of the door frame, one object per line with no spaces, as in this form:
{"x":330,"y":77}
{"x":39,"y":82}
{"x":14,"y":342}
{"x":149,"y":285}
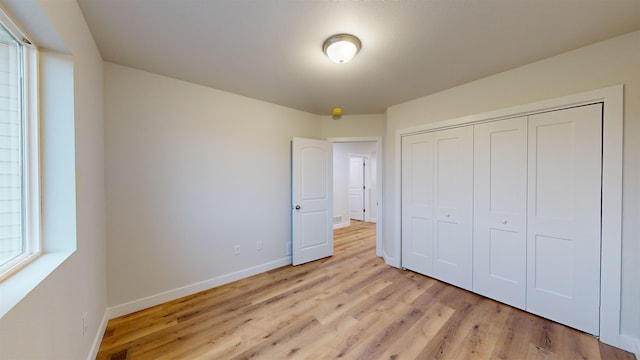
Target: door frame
{"x":379,"y":185}
{"x":612,"y":156}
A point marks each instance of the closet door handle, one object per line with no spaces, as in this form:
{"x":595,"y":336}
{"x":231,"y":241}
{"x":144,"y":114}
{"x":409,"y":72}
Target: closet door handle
{"x":504,"y":222}
{"x":298,"y":207}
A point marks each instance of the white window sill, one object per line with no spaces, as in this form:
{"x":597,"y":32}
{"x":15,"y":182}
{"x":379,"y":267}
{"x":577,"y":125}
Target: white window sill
{"x":19,"y":285}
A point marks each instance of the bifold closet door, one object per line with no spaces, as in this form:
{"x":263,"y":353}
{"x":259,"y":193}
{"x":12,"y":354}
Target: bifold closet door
{"x":500,"y":211}
{"x":564,"y":206}
{"x":437,"y":189}
{"x":453,"y":206}
{"x":417,"y":203}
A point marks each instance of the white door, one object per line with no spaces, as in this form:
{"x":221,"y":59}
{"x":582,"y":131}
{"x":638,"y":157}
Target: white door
{"x":356,"y":188}
{"x":563,"y":231}
{"x":453,"y":206}
{"x":417,"y":203}
{"x":437,"y":188}
{"x":500,"y":211}
{"x":312,"y":200}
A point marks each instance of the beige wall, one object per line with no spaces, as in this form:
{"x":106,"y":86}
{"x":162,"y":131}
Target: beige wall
{"x":47,"y":323}
{"x":611,"y":62}
{"x":352,"y":126}
{"x":190,"y":173}
{"x":193,"y":171}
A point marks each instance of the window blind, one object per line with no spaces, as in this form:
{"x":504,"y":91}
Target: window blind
{"x":12,"y":242}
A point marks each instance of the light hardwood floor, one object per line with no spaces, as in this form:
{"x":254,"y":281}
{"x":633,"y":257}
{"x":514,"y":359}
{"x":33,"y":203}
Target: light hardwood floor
{"x":349,"y":306}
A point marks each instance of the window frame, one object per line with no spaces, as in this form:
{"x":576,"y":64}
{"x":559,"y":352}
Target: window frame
{"x":33,"y":246}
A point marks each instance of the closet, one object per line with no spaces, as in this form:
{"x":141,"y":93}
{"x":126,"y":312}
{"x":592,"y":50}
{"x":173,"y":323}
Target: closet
{"x":437,"y":194}
{"x":510,"y":209}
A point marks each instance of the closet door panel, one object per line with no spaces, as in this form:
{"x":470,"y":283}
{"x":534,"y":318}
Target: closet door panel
{"x":500,"y":208}
{"x":563,"y":235}
{"x":417,"y":203}
{"x":453,"y":197}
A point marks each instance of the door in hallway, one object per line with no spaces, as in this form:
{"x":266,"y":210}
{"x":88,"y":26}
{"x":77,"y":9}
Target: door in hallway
{"x":357,"y":187}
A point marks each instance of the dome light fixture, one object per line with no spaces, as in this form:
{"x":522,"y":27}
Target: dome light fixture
{"x":341,"y":48}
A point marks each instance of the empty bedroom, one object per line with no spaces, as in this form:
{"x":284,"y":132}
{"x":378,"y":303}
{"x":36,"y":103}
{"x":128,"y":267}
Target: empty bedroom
{"x":194,"y":179}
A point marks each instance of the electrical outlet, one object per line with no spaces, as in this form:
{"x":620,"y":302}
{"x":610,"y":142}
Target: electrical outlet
{"x":259,"y":245}
{"x":84,"y":323}
{"x":236,"y":250}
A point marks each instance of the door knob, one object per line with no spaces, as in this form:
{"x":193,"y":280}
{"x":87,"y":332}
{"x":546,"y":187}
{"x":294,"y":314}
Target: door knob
{"x":298,"y":207}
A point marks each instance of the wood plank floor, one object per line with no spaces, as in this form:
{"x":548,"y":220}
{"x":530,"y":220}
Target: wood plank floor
{"x":349,"y":306}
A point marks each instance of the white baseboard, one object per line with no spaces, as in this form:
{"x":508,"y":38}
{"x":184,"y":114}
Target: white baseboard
{"x":630,"y":344}
{"x":98,"y":338}
{"x":341,"y":225}
{"x":390,"y":260}
{"x":136,"y":305}
{"x":635,"y":349}
{"x":153,"y":300}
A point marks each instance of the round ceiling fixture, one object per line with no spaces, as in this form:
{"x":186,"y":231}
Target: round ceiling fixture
{"x":341,"y":48}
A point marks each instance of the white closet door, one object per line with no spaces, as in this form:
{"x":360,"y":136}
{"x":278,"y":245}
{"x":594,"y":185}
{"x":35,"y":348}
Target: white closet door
{"x":417,"y":203}
{"x":453,"y":204}
{"x":563,"y":230}
{"x":500,"y":210}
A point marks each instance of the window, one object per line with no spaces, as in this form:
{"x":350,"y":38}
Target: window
{"x":19,"y":209}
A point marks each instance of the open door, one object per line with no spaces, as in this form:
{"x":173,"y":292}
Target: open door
{"x":357,"y":188}
{"x":312,"y":200}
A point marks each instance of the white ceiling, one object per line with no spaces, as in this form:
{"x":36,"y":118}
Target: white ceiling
{"x":272,"y":49}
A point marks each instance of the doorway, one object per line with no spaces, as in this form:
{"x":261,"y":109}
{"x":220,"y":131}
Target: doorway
{"x":356,"y":182}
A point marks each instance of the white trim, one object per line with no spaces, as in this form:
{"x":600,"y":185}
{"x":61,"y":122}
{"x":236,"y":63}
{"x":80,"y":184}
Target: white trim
{"x":30,"y":147}
{"x":341,"y":225}
{"x":20,"y":284}
{"x":14,"y":28}
{"x":630,"y":344}
{"x":161,"y":298}
{"x":379,"y":184}
{"x":396,"y":260}
{"x":97,"y":340}
{"x":612,"y":142}
{"x":611,"y":256}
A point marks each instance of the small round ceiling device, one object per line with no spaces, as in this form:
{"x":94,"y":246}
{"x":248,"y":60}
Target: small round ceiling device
{"x":341,"y":48}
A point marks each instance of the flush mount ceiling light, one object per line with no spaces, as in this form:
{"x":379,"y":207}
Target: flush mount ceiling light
{"x":341,"y":48}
